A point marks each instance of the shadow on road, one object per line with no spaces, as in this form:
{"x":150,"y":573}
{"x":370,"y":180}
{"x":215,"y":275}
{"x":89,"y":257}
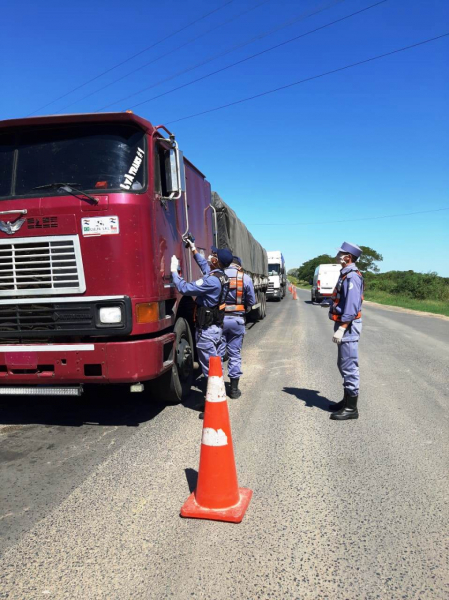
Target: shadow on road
{"x":192,"y":478}
{"x":99,"y":405}
{"x":108,"y":405}
{"x":311,"y":398}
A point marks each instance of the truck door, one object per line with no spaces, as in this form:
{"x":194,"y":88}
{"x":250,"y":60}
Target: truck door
{"x":169,"y":222}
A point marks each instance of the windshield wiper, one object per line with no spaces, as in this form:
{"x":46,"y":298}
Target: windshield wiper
{"x":69,"y":188}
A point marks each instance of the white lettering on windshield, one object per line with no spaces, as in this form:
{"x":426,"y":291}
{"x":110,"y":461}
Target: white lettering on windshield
{"x":133,"y":170}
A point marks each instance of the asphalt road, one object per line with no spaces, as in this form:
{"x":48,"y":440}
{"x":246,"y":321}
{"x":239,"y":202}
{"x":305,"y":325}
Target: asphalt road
{"x":90,"y":490}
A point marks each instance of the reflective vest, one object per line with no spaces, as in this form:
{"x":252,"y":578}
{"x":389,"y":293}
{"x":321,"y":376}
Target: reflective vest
{"x":336,"y":297}
{"x":236,"y":283}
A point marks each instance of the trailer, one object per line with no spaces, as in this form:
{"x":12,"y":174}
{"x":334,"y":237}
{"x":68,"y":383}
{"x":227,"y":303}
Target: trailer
{"x":230,"y":232}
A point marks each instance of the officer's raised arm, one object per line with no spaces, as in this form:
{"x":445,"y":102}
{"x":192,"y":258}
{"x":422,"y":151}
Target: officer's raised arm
{"x":199,"y":258}
{"x":202,"y":263}
{"x":200,"y":287}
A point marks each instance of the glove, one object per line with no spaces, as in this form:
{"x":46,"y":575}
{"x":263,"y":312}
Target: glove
{"x":338,"y":335}
{"x":191,"y":244}
{"x":174,"y":265}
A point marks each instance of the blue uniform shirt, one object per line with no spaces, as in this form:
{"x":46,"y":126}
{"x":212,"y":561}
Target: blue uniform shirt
{"x":248,"y":289}
{"x":207,"y":289}
{"x":351,"y":292}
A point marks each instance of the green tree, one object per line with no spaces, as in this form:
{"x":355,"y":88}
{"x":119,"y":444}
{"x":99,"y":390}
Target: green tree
{"x":307,"y":269}
{"x":366,"y":262}
{"x":292,"y":272}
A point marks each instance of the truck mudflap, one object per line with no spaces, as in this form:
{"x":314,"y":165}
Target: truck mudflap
{"x":75,"y":364}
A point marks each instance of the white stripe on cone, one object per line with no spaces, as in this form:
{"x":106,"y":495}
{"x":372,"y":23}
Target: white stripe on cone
{"x":211,"y":437}
{"x":216,"y":391}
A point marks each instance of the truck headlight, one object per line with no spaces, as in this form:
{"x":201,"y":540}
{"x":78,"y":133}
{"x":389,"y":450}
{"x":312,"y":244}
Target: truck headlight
{"x":110,"y":314}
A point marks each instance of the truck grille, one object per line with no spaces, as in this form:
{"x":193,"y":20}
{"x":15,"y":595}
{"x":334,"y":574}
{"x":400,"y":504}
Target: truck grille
{"x":270,"y":287}
{"x":64,"y":317}
{"x":43,"y":265}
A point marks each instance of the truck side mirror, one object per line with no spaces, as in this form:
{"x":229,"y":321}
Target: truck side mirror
{"x":174,"y":173}
{"x":173,"y":166}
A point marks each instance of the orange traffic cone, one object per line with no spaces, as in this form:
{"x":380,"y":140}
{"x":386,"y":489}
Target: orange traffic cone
{"x":217,"y":496}
{"x":295,"y":297}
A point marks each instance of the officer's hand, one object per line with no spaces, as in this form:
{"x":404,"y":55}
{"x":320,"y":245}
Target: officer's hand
{"x":174,"y":264}
{"x":191,"y":244}
{"x":338,"y":335}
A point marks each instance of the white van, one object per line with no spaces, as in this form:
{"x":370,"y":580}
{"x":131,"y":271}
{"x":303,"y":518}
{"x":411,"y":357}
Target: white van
{"x":324,"y":281}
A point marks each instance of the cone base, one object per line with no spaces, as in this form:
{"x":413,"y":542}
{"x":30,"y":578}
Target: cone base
{"x":233,"y":514}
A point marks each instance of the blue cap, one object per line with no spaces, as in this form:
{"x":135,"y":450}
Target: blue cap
{"x":237,"y":260}
{"x":350,"y":249}
{"x":224,"y":255}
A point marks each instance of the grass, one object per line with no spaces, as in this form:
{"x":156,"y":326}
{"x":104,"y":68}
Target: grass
{"x":433,"y":306}
{"x":437,"y":307}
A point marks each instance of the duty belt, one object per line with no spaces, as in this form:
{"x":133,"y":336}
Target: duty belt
{"x":206,"y":316}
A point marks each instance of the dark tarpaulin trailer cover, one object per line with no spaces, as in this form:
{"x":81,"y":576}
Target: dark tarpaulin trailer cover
{"x":233,"y":234}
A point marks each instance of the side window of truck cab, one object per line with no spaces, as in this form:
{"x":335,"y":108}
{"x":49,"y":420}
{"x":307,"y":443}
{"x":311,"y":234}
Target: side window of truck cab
{"x":160,"y":179}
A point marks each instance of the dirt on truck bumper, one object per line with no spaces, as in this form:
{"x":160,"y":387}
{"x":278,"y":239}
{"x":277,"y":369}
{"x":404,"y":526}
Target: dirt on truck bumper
{"x":108,"y":362}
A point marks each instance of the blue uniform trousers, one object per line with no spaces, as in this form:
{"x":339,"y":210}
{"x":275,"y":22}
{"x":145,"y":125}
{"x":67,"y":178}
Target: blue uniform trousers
{"x":232,"y":340}
{"x":348,"y":365}
{"x":207,"y":345}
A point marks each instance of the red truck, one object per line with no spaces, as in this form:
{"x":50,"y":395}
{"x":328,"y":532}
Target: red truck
{"x":92,"y":208}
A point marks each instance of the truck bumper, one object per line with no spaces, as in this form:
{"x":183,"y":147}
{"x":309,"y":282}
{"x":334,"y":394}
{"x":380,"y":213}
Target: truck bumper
{"x":111,"y":362}
{"x":276,"y":293}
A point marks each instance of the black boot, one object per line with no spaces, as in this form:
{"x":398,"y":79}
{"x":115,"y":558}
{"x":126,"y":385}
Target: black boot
{"x":347,"y":412}
{"x":339,"y":405}
{"x":235,"y":392}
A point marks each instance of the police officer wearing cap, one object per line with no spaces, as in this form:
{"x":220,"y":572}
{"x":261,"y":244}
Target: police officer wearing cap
{"x":210,"y":291}
{"x":346,"y":312}
{"x":239,"y":300}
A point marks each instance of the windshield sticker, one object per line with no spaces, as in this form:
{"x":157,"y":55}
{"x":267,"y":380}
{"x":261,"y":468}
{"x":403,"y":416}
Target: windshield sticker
{"x":133,"y":170}
{"x":100,"y":226}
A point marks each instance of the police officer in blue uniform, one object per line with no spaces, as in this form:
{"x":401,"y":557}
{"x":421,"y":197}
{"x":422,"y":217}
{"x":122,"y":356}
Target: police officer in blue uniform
{"x":239,"y":300}
{"x":210,"y":291}
{"x":346,"y":312}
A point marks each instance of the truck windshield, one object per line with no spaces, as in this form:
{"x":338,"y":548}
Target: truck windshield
{"x":98,"y":156}
{"x":274,"y":269}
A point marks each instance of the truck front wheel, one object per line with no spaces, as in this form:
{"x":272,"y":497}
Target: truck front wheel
{"x":174,"y":385}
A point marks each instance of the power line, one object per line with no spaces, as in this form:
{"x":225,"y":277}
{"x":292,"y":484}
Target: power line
{"x":294,"y":39}
{"x":161,"y":56}
{"x":301,"y":17}
{"x":289,"y":85}
{"x":133,"y":56}
{"x":419,"y":212}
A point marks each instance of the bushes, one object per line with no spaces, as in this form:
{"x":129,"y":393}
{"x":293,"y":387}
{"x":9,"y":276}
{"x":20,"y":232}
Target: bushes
{"x":420,"y":286}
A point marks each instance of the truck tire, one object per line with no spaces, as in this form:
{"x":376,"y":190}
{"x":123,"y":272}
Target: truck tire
{"x":263,"y":306}
{"x":312,"y":297}
{"x":257,"y":314}
{"x":173,"y":386}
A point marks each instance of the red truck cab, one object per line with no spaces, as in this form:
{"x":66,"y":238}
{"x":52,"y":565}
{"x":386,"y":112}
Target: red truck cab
{"x":92,"y":208}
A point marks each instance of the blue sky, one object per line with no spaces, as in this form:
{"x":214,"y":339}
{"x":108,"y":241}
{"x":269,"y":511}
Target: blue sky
{"x":299,"y":166}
